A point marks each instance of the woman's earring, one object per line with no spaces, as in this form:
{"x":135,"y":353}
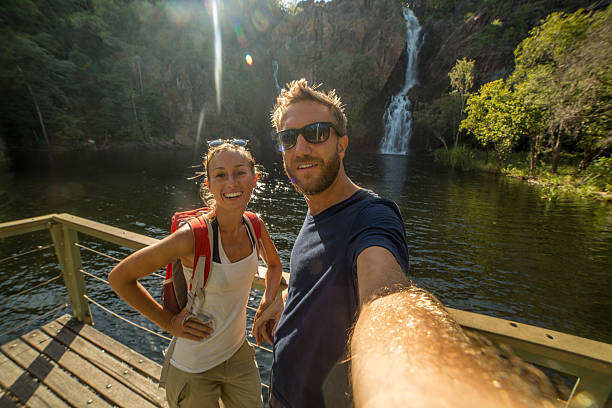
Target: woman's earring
{"x":206,"y":182}
{"x":256,"y":177}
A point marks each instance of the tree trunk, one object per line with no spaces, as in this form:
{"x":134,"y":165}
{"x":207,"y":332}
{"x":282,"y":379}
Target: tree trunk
{"x":140,"y":77}
{"x":463,"y":100}
{"x":556,"y":154}
{"x":440,"y":138}
{"x":532,"y":156}
{"x":38,"y":112}
{"x":587,"y":156}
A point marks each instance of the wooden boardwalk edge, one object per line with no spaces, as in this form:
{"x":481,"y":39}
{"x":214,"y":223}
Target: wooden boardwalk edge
{"x":66,"y":363}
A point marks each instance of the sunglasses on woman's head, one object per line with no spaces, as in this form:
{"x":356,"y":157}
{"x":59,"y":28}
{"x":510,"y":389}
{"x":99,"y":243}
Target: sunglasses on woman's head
{"x":235,"y":142}
{"x":317,"y":132}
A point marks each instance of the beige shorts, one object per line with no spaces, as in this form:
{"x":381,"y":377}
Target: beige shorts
{"x":235,"y":382}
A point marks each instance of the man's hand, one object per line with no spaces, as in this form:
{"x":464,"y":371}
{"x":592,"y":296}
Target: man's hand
{"x":267,"y":318}
{"x":188,"y":326}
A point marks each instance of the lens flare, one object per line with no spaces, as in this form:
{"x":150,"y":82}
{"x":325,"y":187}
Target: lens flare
{"x":240,"y":37}
{"x":218,"y":67}
{"x":249,"y":59}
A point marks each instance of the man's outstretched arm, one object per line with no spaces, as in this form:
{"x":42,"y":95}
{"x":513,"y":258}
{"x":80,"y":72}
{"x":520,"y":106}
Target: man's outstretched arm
{"x":406,"y":350}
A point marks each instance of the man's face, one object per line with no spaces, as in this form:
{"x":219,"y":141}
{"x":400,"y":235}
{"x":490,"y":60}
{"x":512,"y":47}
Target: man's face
{"x":312,"y":168}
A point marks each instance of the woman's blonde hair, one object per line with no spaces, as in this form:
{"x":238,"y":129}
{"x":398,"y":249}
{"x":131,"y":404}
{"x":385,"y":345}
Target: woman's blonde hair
{"x":205,"y":193}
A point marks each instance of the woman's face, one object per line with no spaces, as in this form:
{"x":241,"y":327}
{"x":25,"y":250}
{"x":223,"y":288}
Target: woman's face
{"x":230,"y":180}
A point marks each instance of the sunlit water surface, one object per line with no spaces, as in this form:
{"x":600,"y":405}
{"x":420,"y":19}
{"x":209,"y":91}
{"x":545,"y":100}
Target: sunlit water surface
{"x":481,"y":243}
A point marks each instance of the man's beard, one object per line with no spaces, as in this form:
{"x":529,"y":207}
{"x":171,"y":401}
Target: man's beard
{"x":328,"y":175}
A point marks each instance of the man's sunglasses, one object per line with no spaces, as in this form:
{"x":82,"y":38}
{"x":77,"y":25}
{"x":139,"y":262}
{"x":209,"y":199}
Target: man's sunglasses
{"x":317,"y":132}
{"x":235,"y":142}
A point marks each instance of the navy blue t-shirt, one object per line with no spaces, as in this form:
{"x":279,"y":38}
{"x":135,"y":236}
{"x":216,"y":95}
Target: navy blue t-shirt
{"x":323,"y":296}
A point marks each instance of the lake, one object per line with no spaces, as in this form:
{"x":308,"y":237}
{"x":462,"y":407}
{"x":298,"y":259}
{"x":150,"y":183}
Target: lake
{"x":480,"y":242}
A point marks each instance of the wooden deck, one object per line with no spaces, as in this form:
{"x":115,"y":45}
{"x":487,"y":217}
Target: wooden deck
{"x":66,"y":363}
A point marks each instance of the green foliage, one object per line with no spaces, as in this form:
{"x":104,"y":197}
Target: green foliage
{"x":565,"y":68}
{"x":460,"y":157}
{"x":440,"y":118}
{"x":490,"y":117}
{"x":596,"y":181}
{"x":462,"y":80}
{"x":599,"y":173}
{"x":462,"y":77}
{"x":440,"y":7}
{"x":562,"y":84}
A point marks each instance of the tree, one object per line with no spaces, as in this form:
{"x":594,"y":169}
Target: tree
{"x":497,"y":116}
{"x":440,"y":118}
{"x":34,"y":77}
{"x":565,"y":68}
{"x":462,"y":80}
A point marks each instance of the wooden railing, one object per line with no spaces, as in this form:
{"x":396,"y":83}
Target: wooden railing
{"x":590,"y":361}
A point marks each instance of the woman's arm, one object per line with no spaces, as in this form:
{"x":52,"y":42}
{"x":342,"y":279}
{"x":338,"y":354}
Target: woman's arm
{"x":265,"y":325}
{"x":274,"y":272}
{"x":123,"y":278}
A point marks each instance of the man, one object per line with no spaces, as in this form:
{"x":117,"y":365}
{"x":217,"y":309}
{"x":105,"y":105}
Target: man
{"x":348,"y":274}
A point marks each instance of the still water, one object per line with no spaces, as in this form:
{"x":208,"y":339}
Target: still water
{"x":481,"y":243}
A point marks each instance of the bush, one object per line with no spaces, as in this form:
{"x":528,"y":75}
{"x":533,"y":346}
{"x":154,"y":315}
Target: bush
{"x":459,"y":157}
{"x":599,"y":174}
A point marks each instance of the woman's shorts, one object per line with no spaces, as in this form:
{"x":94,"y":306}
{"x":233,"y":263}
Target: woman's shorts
{"x":236,"y":382}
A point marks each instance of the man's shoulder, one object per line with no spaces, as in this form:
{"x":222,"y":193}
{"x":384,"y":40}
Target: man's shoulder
{"x":374,"y":205}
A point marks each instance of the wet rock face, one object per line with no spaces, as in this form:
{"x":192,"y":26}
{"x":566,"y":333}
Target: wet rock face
{"x":350,"y":45}
{"x":486,"y":33}
{"x":357,"y":47}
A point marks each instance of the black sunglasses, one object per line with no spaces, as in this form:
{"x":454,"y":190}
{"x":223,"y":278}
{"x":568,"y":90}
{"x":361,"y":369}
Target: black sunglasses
{"x":317,"y":132}
{"x":235,"y":142}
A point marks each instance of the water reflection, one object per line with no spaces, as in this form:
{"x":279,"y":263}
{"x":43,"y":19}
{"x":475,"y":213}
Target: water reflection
{"x":479,"y":242}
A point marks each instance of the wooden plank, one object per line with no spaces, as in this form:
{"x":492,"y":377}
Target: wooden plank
{"x":593,"y":354}
{"x":108,"y":387}
{"x":136,"y":360}
{"x":259,"y":281}
{"x":105,"y":232}
{"x":106,"y":363}
{"x":6,"y":401}
{"x":18,"y":227}
{"x":20,"y":384}
{"x":59,"y":381}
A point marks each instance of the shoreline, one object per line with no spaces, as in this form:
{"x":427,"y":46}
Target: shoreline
{"x":567,"y":182}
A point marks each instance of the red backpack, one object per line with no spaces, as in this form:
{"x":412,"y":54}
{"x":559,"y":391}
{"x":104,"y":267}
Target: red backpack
{"x":174,"y":290}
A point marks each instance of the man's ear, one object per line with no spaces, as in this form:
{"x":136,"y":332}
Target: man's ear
{"x":206,"y":182}
{"x":256,"y":177}
{"x":342,"y":146}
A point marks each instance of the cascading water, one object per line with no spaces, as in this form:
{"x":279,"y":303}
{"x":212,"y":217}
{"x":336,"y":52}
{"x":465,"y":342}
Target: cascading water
{"x":398,"y":117}
{"x":275,"y":68}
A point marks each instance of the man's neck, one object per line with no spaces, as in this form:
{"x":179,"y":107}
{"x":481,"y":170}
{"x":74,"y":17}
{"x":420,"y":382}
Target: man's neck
{"x":341,"y":189}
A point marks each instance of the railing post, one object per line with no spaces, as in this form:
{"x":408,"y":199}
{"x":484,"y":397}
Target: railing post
{"x":592,"y":391}
{"x":69,"y":257}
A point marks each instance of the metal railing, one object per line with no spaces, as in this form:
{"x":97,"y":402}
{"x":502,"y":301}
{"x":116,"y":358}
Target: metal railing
{"x":588,"y":360}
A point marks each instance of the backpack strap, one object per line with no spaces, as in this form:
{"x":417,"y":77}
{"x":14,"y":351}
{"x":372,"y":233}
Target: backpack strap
{"x":215,"y":247}
{"x":253,"y":223}
{"x":202,"y":234}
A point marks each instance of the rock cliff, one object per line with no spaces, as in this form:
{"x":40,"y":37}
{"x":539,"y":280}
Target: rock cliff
{"x":358,"y":47}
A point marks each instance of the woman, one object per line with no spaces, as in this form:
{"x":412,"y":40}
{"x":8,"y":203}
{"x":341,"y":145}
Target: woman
{"x":211,"y":360}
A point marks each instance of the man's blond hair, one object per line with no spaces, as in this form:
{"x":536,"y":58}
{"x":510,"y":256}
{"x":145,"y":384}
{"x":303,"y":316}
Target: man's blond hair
{"x":299,"y":90}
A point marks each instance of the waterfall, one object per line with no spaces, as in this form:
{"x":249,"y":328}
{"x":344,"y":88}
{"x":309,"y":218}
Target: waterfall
{"x":275,"y":68}
{"x":398,"y":117}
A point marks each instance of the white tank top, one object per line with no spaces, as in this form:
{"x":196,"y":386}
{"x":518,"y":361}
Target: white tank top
{"x":225,"y":298}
